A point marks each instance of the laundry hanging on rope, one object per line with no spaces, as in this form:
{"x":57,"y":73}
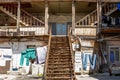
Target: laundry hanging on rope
{"x":118,"y":6}
{"x":92,"y":61}
{"x":28,"y":54}
{"x":86,"y":58}
{"x":41,"y":54}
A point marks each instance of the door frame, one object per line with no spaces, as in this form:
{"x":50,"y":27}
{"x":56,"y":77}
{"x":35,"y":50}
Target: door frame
{"x":56,"y":29}
{"x":109,"y":52}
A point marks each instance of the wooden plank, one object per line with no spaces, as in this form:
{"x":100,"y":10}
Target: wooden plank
{"x":85,"y":31}
{"x":85,"y":26}
{"x":43,"y":0}
{"x":6,"y":1}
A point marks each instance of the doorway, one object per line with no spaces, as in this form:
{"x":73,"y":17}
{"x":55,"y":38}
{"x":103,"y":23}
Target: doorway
{"x":59,"y":29}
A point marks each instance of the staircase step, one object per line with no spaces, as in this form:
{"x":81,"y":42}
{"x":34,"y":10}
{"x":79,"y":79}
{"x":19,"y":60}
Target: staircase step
{"x":53,"y":67}
{"x":59,"y":54}
{"x":57,"y":62}
{"x":60,"y":50}
{"x":59,"y":71}
{"x":62,"y":42}
{"x":58,"y":75}
{"x":59,"y":47}
{"x":58,"y":78}
{"x":60,"y":57}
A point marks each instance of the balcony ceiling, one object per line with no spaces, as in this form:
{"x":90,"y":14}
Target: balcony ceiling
{"x":59,"y":7}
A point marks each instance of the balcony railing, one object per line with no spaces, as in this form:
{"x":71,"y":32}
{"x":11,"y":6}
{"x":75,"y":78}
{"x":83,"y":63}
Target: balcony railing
{"x":27,"y":31}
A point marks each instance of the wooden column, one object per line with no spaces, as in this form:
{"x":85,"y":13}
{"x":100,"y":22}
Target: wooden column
{"x":18,"y":15}
{"x":46,"y":16}
{"x":99,"y":15}
{"x":73,"y":16}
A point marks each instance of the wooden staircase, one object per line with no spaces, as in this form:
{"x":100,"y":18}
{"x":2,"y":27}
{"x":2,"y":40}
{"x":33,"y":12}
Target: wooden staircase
{"x":26,"y":19}
{"x":107,"y":9}
{"x":59,"y":65}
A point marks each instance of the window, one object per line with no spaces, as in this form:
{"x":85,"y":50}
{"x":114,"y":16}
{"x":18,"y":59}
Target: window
{"x":114,"y":54}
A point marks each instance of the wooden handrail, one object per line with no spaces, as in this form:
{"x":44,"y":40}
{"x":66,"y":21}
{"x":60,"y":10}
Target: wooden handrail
{"x":32,"y":16}
{"x":47,"y":55}
{"x":71,"y":51}
{"x":107,"y":9}
{"x":26,"y":18}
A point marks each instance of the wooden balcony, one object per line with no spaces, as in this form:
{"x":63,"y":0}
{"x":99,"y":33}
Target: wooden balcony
{"x":28,"y":33}
{"x":110,"y":30}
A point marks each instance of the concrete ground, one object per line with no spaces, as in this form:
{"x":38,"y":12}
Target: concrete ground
{"x":104,"y":76}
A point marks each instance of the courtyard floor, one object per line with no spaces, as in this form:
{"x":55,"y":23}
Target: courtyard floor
{"x":103,"y":76}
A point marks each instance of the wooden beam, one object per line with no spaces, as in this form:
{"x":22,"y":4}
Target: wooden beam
{"x":18,"y":15}
{"x":46,"y":16}
{"x":73,"y":16}
{"x":4,"y":1}
{"x":99,"y":15}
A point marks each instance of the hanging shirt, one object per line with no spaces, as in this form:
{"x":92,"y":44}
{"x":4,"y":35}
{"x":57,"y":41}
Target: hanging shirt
{"x":28,"y":54}
{"x":41,"y":54}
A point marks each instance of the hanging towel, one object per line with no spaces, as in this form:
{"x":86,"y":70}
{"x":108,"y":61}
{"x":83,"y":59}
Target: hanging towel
{"x":118,"y":6}
{"x":92,"y":61}
{"x":41,"y":54}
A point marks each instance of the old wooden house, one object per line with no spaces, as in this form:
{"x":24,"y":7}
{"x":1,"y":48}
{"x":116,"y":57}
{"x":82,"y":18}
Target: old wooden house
{"x":93,"y":25}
